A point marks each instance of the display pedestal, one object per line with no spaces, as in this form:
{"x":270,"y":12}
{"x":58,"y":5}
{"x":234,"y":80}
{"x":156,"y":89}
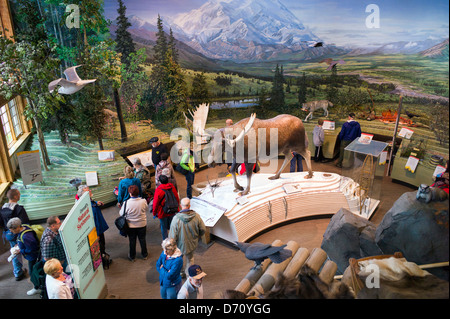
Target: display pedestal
{"x":362,"y":175}
{"x":270,"y":202}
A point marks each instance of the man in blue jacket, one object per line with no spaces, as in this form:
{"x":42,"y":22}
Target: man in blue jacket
{"x":349,"y":131}
{"x":28,"y":244}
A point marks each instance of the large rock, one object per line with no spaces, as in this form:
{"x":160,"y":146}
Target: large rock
{"x":417,"y":229}
{"x":349,"y":236}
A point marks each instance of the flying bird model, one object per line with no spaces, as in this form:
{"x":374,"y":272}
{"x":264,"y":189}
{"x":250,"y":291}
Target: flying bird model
{"x":71,"y":84}
{"x":331,"y":63}
{"x":258,"y":252}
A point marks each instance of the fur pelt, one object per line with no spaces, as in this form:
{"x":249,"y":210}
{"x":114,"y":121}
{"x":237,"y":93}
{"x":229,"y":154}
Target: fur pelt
{"x":308,"y":285}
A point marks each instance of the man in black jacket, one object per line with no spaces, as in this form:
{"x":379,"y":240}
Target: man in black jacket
{"x":158,"y":148}
{"x":10,"y":210}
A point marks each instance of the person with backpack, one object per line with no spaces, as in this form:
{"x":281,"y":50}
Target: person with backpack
{"x":136,"y":209}
{"x":166,"y":204}
{"x":10,"y":210}
{"x":28,"y":244}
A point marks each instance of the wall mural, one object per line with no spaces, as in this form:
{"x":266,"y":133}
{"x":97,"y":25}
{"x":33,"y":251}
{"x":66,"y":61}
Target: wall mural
{"x":379,"y":50}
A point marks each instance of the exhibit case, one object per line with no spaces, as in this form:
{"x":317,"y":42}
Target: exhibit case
{"x":363,"y":169}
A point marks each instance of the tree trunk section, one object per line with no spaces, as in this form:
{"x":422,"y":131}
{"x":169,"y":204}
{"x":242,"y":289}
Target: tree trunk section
{"x":123,"y":129}
{"x":43,"y":147}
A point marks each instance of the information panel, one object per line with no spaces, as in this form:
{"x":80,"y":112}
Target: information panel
{"x":82,"y":248}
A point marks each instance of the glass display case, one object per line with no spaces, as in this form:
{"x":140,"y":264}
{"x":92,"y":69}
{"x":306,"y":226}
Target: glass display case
{"x":363,"y":169}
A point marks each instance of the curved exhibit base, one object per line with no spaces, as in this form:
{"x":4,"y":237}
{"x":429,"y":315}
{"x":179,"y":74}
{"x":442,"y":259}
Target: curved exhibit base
{"x":270,"y":202}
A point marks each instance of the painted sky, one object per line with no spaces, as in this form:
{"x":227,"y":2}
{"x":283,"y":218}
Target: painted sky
{"x":340,"y":22}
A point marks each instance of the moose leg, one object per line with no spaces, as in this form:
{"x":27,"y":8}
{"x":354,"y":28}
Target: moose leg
{"x":248,"y":173}
{"x":233,"y":170}
{"x":307,"y":156}
{"x":287,"y":158}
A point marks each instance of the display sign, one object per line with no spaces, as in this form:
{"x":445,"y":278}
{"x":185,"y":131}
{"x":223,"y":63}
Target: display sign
{"x":91,"y":178}
{"x":439,"y":169}
{"x":145,"y":157}
{"x":292,"y":188}
{"x":365,"y":138}
{"x":209,"y":212}
{"x":82,"y":248}
{"x":406,"y":133}
{"x":411,"y":164}
{"x":107,"y":155}
{"x":328,"y":125}
{"x":30,"y":167}
{"x":383,"y":157}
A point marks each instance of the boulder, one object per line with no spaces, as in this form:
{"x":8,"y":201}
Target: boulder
{"x":419,"y":230}
{"x":349,"y":236}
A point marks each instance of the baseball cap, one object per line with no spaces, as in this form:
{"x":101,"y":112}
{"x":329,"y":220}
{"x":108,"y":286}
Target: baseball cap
{"x":196,"y":272}
{"x":154,"y":140}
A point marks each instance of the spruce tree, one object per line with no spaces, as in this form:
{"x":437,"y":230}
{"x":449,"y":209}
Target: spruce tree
{"x":277,"y":93}
{"x":302,"y":90}
{"x":200,"y":93}
{"x":161,"y":46}
{"x":125,"y":44}
{"x":172,"y":46}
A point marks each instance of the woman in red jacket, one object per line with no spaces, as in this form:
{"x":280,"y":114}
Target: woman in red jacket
{"x":165,"y":214}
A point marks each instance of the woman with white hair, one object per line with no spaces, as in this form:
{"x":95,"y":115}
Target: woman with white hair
{"x":58,"y":284}
{"x":169,"y":266}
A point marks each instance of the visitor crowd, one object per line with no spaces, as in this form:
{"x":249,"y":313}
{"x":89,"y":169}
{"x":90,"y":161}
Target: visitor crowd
{"x":181,"y":227}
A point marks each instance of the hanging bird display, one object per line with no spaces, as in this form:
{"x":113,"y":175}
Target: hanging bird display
{"x":71,"y":84}
{"x":258,"y":252}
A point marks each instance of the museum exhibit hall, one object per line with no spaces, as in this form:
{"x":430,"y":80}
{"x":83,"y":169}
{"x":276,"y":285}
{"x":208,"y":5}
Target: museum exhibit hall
{"x":224,"y":149}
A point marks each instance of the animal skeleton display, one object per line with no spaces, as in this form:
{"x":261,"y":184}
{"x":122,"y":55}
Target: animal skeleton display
{"x":213,"y":186}
{"x":290,"y":133}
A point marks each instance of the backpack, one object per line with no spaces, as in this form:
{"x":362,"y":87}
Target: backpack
{"x":170,"y":202}
{"x":37,"y":229}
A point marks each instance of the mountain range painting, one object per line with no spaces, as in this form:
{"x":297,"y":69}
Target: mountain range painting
{"x":255,"y":30}
{"x":252,"y":36}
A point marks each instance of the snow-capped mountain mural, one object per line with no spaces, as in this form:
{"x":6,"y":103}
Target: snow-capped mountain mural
{"x":257,"y":21}
{"x":260,"y":30}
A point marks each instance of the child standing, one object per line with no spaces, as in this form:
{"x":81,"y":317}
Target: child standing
{"x":318,"y":138}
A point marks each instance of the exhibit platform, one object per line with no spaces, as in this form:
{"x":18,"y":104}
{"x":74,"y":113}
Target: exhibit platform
{"x":55,"y":195}
{"x":232,"y":217}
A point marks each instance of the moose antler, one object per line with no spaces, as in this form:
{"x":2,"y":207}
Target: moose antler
{"x":232,"y":142}
{"x":199,"y":117}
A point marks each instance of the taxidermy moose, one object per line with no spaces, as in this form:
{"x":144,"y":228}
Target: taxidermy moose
{"x":250,"y":139}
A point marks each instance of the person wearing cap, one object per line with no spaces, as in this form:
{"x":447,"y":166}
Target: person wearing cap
{"x":192,"y":287}
{"x":158,"y":148}
{"x":349,"y":131}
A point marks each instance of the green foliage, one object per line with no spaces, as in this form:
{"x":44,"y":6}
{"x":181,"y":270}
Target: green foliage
{"x":277,"y":94}
{"x":125,"y":44}
{"x":167,"y":96}
{"x":26,"y":70}
{"x":302,"y":89}
{"x":439,"y":123}
{"x":99,"y":62}
{"x":200,"y":93}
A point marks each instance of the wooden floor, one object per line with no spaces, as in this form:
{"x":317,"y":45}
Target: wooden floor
{"x":224,"y":265}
